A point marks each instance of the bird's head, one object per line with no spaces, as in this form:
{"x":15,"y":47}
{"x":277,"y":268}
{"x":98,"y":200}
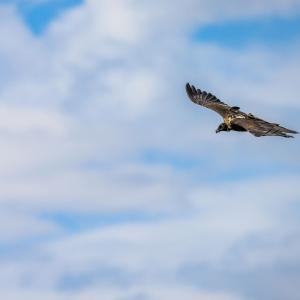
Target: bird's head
{"x":222,"y":127}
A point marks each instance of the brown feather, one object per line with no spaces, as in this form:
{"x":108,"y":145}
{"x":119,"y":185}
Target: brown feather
{"x":259,"y":127}
{"x":236,"y":119}
{"x":207,"y":100}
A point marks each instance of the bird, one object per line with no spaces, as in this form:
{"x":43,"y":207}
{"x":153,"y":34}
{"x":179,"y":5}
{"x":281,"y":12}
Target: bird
{"x":234,"y":119}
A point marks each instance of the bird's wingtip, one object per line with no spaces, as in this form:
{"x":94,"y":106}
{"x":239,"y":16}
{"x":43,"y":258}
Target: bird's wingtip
{"x":293,"y":131}
{"x":188,"y":89}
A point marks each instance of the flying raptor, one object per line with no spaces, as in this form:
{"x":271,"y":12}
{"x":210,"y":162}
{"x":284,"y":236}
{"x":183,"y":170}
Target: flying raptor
{"x":234,"y":119}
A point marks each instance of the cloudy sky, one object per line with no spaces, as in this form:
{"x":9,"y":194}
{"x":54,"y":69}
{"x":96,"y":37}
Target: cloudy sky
{"x":113,"y":185}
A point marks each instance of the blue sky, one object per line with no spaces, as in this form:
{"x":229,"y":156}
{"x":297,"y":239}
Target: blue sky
{"x":38,"y":16}
{"x":274,"y":31}
{"x":114,"y":184}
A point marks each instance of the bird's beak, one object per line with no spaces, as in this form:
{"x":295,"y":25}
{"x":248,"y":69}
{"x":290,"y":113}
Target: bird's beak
{"x":217,"y":131}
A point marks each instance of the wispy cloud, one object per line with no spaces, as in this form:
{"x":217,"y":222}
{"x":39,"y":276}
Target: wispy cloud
{"x":94,"y":121}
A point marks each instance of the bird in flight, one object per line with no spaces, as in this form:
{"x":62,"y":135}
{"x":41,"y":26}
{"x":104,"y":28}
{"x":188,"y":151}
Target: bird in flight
{"x":234,"y":119}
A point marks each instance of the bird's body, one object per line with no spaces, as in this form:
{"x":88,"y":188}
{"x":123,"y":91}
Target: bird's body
{"x":234,"y":118}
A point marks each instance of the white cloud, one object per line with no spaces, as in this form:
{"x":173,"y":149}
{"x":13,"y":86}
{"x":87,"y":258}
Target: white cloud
{"x":19,"y":226}
{"x":144,"y":292}
{"x":137,"y":258}
{"x":87,"y":98}
{"x":15,"y":119}
{"x":82,"y":103}
{"x":219,"y":220}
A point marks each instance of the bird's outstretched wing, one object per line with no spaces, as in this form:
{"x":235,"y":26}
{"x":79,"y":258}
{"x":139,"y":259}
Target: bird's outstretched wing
{"x":208,"y":100}
{"x":259,"y":127}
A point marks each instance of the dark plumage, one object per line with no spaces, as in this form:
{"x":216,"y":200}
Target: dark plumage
{"x":234,"y":119}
